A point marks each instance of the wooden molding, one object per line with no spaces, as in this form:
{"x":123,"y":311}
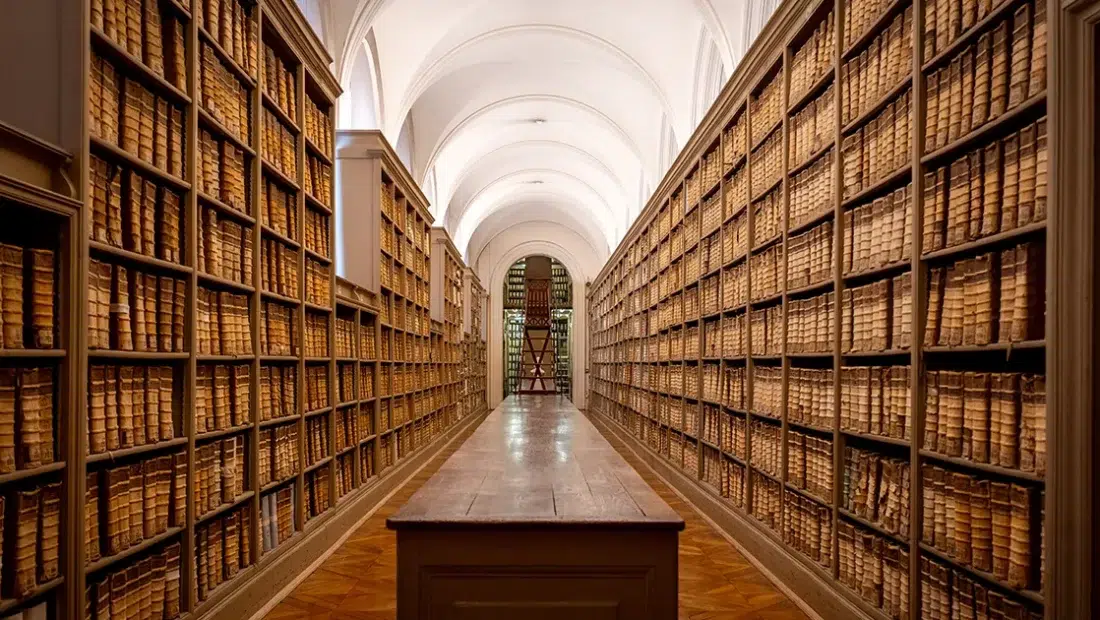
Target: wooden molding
{"x":372,"y":144}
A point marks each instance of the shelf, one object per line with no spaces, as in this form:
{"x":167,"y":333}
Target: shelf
{"x":999,"y":12}
{"x":225,"y":432}
{"x":769,"y":188}
{"x":280,"y":176}
{"x":811,"y":289}
{"x":809,"y":427}
{"x":816,"y":89}
{"x":764,"y":137}
{"x":111,"y":151}
{"x":279,"y":358}
{"x":32,"y":353}
{"x":989,"y":578}
{"x":1001,"y":472}
{"x":8,"y":607}
{"x":809,"y":161}
{"x":105,"y":354}
{"x":807,"y":494}
{"x":318,"y":465}
{"x":1029,"y":110}
{"x":315,"y":203}
{"x":1006,"y":347}
{"x":767,"y":243}
{"x":874,"y":29}
{"x":24,"y":474}
{"x":878,"y":106}
{"x":226,"y":59}
{"x":317,"y":308}
{"x":279,"y":113}
{"x":878,"y":529}
{"x":317,"y":152}
{"x":814,"y":220}
{"x":875,"y":354}
{"x":317,"y":257}
{"x":111,"y":51}
{"x":269,"y":296}
{"x":876,"y":272}
{"x":279,"y":421}
{"x":760,"y":472}
{"x":880,"y":187}
{"x":317,"y":412}
{"x":901,"y":443}
{"x":113,"y":455}
{"x":278,"y":483}
{"x":226,"y":210}
{"x":1008,"y":237}
{"x":223,"y":132}
{"x":210,"y":281}
{"x":224,"y":508}
{"x":769,"y":300}
{"x":139,"y":259}
{"x":146,"y":544}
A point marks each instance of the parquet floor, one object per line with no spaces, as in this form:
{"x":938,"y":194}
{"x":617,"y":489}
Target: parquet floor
{"x":358,"y":581}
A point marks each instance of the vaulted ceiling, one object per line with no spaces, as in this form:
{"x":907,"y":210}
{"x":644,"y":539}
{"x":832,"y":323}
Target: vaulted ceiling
{"x":562,"y":112}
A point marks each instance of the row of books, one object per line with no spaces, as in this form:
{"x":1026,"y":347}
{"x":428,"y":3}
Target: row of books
{"x":860,"y":16}
{"x":134,"y":213}
{"x":812,"y":128}
{"x":735,"y":286}
{"x":132,"y":503}
{"x":345,"y":383}
{"x":225,"y":248}
{"x":147,"y":588}
{"x":33,"y":520}
{"x":811,"y":191}
{"x":876,"y":489}
{"x":765,"y":447}
{"x":318,"y":181}
{"x":319,"y":127}
{"x":26,"y":418}
{"x":367,"y":469}
{"x":278,"y":329}
{"x":988,"y":190}
{"x":879,"y":69}
{"x":874,"y":400}
{"x":734,"y":142}
{"x":223,"y":323}
{"x":875,"y":568}
{"x":767,"y":391}
{"x":278,"y":391}
{"x":279,"y":209}
{"x":124,"y":113}
{"x":736,"y":195}
{"x":317,"y":495}
{"x":767,"y":215}
{"x":219,"y":474}
{"x":766,"y":109}
{"x":766,"y":329}
{"x":278,"y":512}
{"x":225,"y":174}
{"x":987,"y":525}
{"x":994,"y":297}
{"x":366,"y":381}
{"x":767,"y":500}
{"x":139,"y":29}
{"x":317,"y":438}
{"x":223,"y":549}
{"x":809,"y":463}
{"x":878,"y":234}
{"x":947,"y":593}
{"x":709,"y":174}
{"x":316,"y":384}
{"x":765,"y":271}
{"x":279,"y":456}
{"x":814,"y":59}
{"x":353,"y":424}
{"x":809,"y":257}
{"x":224,"y":97}
{"x":808,"y":529}
{"x":877,"y":316}
{"x":280,"y":82}
{"x":28,"y":285}
{"x":994,"y":418}
{"x":317,"y":236}
{"x":879,"y":148}
{"x":279,"y":145}
{"x":711,"y":220}
{"x":995,"y":74}
{"x":766,"y":164}
{"x":809,"y":326}
{"x":344,"y":339}
{"x":232,"y":23}
{"x":129,"y":310}
{"x":128,"y":406}
{"x":222,"y":397}
{"x":345,"y":474}
{"x":318,"y":283}
{"x":279,"y":268}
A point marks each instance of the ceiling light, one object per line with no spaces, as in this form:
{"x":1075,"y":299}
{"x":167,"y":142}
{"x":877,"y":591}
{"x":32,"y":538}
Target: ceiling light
{"x":538,"y":121}
{"x":536,"y":182}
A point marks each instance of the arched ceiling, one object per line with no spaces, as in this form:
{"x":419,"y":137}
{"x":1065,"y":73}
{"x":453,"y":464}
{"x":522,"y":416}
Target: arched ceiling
{"x":565,"y":112}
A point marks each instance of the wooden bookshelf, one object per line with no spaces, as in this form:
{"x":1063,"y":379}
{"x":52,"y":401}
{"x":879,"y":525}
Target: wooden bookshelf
{"x":474,"y":384}
{"x":800,"y":369}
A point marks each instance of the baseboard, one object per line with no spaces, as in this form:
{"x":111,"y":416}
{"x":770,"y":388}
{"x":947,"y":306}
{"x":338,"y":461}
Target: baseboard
{"x":275,"y":577}
{"x":804,"y":584}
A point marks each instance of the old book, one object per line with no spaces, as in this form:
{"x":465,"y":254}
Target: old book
{"x":126,"y":406}
{"x":1027,"y":180}
{"x":149,"y":498}
{"x":111,"y":402}
{"x":1019,"y":559}
{"x":91,"y":517}
{"x":179,"y":305}
{"x":43,"y":289}
{"x":11,"y":296}
{"x":135,"y":504}
{"x":149,"y":315}
{"x":172,"y":582}
{"x":161,"y":145}
{"x":34,"y":424}
{"x":151,"y":415}
{"x":966,"y":68}
{"x":49,"y":533}
{"x":167,"y":424}
{"x":1021,"y":56}
{"x":8,"y":390}
{"x":137,"y":317}
{"x":1004,"y":419}
{"x":999,"y":72}
{"x":24,"y":549}
{"x":1000,"y":502}
{"x":118,"y":510}
{"x":963,"y":539}
{"x":121,"y":336}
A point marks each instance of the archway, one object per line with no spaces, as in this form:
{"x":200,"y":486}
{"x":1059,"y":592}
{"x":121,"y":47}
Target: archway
{"x":537,"y":343}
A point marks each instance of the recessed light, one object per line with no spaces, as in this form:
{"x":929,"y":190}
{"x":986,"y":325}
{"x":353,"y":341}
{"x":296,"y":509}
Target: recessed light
{"x":536,"y":182}
{"x":538,"y":121}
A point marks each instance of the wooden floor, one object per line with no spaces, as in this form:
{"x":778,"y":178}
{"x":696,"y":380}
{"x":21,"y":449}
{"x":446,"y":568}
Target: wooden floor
{"x":358,"y":581}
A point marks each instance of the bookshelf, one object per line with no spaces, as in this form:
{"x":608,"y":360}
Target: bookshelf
{"x":801,"y":321}
{"x":474,"y":399}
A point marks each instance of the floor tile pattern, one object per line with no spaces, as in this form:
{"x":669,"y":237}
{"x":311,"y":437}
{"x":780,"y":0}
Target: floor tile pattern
{"x":358,"y":581}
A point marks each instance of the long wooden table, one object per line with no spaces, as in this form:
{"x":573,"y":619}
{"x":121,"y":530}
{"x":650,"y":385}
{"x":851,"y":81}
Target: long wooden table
{"x":536,"y":517}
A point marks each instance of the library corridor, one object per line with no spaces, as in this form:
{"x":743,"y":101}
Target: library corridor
{"x":358,"y":581}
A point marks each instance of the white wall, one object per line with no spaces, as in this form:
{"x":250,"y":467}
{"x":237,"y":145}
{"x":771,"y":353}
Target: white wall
{"x":492,"y":265}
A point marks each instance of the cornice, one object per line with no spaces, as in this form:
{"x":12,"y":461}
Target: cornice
{"x":372,"y":144}
{"x":301,"y":37}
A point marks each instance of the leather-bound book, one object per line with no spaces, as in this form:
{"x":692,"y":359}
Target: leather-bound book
{"x":1000,"y":503}
{"x":1004,"y":419}
{"x":1020,"y":545}
{"x":983,"y":65}
{"x":91,"y":517}
{"x":1000,"y":71}
{"x":49,"y":533}
{"x":981,"y":548}
{"x":962,"y":542}
{"x":136,"y":504}
{"x":11,"y":296}
{"x":1020,"y":71}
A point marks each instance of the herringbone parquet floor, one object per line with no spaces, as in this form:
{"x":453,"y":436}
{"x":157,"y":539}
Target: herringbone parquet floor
{"x":358,"y":581}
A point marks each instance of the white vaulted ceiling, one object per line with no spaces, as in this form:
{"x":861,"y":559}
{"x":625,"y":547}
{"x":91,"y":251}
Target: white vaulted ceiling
{"x":561,"y":112}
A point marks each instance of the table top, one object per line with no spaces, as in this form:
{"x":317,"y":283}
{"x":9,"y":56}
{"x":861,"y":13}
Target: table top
{"x":536,"y":461}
